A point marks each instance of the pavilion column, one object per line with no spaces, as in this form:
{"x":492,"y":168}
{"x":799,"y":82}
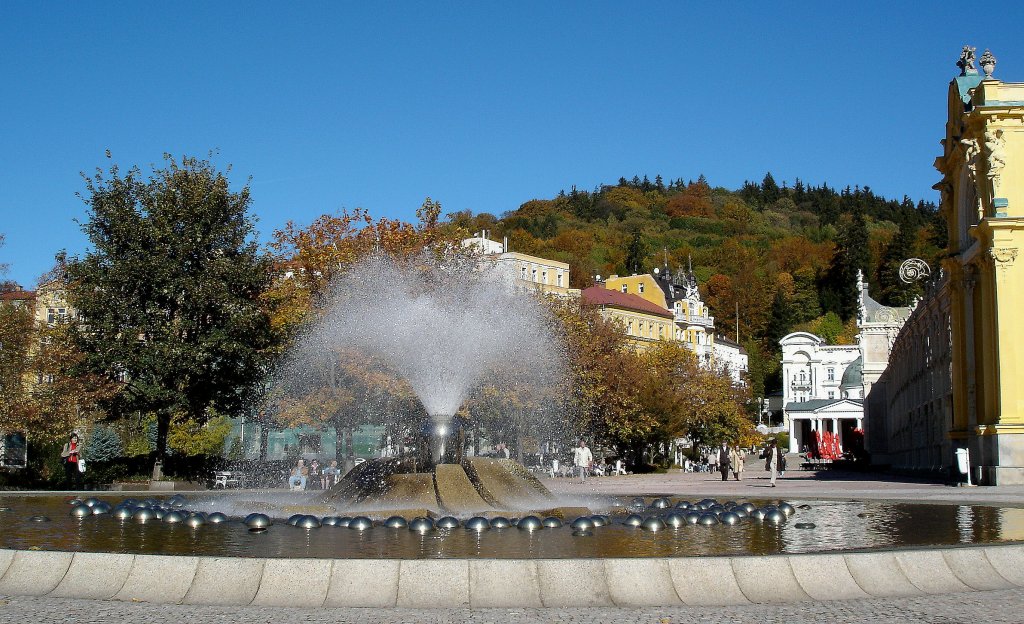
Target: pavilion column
{"x":793,"y":443}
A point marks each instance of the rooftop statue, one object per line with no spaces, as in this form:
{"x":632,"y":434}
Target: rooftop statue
{"x":966,"y":62}
{"x":988,"y":64}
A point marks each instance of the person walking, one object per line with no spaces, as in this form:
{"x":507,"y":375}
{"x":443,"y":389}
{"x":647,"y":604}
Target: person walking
{"x":583,"y":458}
{"x":70,"y":454}
{"x":772,"y":459}
{"x":723,"y":460}
{"x":736,"y":459}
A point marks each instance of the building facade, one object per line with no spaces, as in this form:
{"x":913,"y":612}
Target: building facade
{"x":549,"y":277}
{"x":982,"y":189}
{"x":693,"y":324}
{"x":909,"y":410}
{"x":815,"y":396}
{"x":643,"y":321}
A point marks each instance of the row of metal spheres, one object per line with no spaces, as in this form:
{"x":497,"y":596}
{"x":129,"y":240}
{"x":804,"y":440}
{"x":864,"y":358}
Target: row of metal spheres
{"x":424,"y":524}
{"x":171,"y":511}
{"x":706,"y":512}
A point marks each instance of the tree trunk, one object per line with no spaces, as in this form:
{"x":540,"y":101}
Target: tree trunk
{"x":339,"y":445}
{"x":163,"y":425}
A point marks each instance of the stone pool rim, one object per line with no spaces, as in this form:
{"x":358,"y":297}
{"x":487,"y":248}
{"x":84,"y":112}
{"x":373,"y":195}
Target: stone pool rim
{"x":516,"y":583}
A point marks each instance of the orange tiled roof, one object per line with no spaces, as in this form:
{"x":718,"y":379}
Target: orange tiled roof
{"x":599,"y":295}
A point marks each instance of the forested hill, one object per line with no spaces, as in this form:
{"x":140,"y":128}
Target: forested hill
{"x":787,"y":255}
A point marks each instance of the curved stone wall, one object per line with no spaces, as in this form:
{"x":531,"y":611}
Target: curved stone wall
{"x":709,"y":581}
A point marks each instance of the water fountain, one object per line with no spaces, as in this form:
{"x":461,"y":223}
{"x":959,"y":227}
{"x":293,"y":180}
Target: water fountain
{"x":445,"y":330}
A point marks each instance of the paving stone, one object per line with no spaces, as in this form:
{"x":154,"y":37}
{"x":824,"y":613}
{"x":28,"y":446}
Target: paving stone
{"x":225,"y":581}
{"x":434,"y":583}
{"x":879,"y":574}
{"x":640,"y":582}
{"x":990,"y":607}
{"x":95,"y":575}
{"x":928,"y":571}
{"x":159,"y":579}
{"x":706,"y":581}
{"x":363,"y":583}
{"x":294,"y":583}
{"x":826,"y":577}
{"x":34,"y":573}
{"x":767,"y":579}
{"x":973,"y":568}
{"x":6,"y":556}
{"x":494,"y":582}
{"x":573,"y":583}
{"x":1008,"y":561}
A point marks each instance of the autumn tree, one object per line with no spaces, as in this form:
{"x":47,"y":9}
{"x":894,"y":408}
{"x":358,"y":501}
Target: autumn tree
{"x":170,"y":293}
{"x":601,"y":394}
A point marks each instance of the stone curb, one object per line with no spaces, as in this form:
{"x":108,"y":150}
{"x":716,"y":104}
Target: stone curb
{"x":515,"y":583}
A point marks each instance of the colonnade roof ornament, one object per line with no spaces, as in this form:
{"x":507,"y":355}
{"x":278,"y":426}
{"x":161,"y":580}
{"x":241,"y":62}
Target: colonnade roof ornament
{"x":873,"y":312}
{"x":913,"y":270}
{"x":988,"y":64}
{"x":966,"y":62}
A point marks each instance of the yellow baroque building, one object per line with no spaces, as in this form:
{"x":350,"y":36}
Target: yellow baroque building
{"x":982,"y":188}
{"x":643,"y":286}
{"x":644,"y":322}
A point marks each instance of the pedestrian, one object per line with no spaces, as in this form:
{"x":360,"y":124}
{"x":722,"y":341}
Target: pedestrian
{"x":299,"y":475}
{"x":723,"y":460}
{"x":71,"y":454}
{"x":313,"y":478}
{"x":736,"y":459}
{"x":330,"y":474}
{"x":771,"y":456}
{"x":583,"y":458}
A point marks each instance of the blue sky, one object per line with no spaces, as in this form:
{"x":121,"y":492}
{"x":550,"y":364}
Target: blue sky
{"x":480,"y":105}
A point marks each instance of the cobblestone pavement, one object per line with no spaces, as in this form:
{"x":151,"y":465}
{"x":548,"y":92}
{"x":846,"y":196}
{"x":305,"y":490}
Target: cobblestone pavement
{"x":992,"y":607}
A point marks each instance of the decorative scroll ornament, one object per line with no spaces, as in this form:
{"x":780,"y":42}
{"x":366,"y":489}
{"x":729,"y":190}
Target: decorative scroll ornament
{"x":914,"y":270}
{"x":1004,"y":256}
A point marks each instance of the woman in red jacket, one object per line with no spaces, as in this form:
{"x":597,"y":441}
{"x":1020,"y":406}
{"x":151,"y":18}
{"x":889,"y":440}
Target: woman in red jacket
{"x":71,"y":454}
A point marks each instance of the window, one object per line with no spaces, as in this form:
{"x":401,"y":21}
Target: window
{"x":523,"y":275}
{"x":831,"y":375}
{"x":640,"y":288}
{"x":831,"y":394}
{"x":544,"y":277}
{"x":661,"y":331}
{"x":533,"y":275}
{"x":629,"y":328}
{"x":559,"y":278}
{"x":623,"y":288}
{"x":56,"y":314}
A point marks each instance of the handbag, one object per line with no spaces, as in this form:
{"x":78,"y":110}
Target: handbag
{"x":81,"y":465}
